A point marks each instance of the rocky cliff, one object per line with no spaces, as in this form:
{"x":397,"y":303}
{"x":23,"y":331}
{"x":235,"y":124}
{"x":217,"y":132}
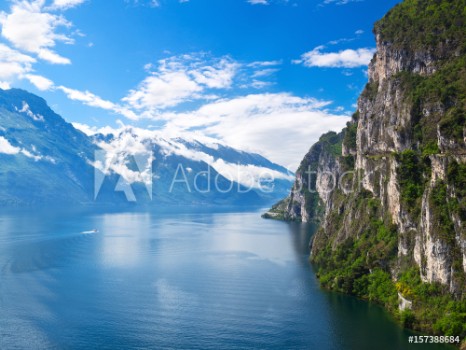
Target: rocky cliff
{"x":390,"y":189}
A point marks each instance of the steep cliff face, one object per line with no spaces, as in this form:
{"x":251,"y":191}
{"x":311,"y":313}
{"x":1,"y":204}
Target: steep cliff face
{"x":393,"y":221}
{"x":310,"y":196}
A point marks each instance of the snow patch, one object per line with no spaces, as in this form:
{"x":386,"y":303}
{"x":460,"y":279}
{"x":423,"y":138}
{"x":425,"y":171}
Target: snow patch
{"x":7,"y":148}
{"x":27,"y":110}
{"x":130,"y":141}
{"x":120,"y":152}
{"x":249,"y":175}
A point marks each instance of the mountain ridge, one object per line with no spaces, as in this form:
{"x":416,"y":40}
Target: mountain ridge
{"x":46,"y":160}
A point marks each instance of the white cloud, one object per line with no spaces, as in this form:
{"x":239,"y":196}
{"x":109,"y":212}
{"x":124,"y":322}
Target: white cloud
{"x":248,"y":175}
{"x":90,"y":99}
{"x":149,"y":3}
{"x":7,"y":148}
{"x":163,"y":90}
{"x":339,"y":2}
{"x":181,"y":78}
{"x":40,"y":82}
{"x":13,"y":63}
{"x":280,"y":126}
{"x":348,"y":58}
{"x":257,"y":84}
{"x":28,"y":27}
{"x":88,"y":130}
{"x":52,"y":57}
{"x":258,"y":2}
{"x":87,"y":97}
{"x":264,"y":72}
{"x":218,"y":76}
{"x":264,"y":63}
{"x":106,"y":130}
{"x":65,"y":4}
{"x":4,"y":85}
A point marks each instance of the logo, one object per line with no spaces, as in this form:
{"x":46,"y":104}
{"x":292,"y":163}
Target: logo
{"x":129,"y":168}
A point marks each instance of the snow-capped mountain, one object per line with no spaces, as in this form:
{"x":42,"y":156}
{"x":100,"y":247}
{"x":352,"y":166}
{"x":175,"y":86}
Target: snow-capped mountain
{"x":44,"y":159}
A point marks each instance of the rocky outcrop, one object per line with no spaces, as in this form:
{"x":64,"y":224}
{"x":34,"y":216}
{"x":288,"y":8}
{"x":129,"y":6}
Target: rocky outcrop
{"x":317,"y":176}
{"x":390,"y":59}
{"x":404,"y":304}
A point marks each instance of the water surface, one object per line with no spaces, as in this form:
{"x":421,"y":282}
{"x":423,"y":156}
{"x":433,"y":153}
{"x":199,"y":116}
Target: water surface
{"x":173,"y":281}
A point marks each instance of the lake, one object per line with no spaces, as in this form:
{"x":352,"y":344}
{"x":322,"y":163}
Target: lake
{"x":167,"y":280}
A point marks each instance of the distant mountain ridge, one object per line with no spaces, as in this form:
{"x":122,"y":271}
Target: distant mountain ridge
{"x":45,"y":160}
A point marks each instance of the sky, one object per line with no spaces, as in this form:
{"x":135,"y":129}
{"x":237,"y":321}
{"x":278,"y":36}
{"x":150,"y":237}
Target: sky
{"x":267,"y":76}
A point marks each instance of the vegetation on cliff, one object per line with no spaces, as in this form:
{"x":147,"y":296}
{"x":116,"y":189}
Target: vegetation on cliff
{"x":421,"y":24}
{"x":447,"y":89}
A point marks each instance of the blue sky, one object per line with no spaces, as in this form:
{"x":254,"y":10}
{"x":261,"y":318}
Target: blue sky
{"x":261,"y":75}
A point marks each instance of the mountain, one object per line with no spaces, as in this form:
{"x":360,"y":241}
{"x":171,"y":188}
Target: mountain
{"x":45,"y":160}
{"x":389,"y":191}
{"x":194,"y":172}
{"x":42,"y":157}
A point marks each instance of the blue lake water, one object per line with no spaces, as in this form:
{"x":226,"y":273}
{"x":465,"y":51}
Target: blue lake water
{"x":173,"y":281}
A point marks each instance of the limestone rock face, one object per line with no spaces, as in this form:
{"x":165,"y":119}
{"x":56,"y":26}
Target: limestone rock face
{"x":390,"y":123}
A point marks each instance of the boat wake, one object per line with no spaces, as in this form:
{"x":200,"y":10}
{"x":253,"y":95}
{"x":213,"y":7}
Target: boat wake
{"x":90,"y":232}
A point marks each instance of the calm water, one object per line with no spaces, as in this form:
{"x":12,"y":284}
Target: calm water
{"x":174,"y":281}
